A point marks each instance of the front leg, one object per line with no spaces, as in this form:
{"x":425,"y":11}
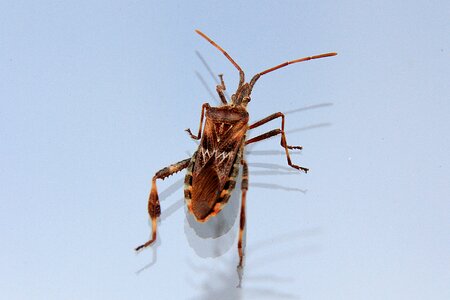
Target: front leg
{"x":154,"y":209}
{"x":199,"y":135}
{"x":220,"y":90}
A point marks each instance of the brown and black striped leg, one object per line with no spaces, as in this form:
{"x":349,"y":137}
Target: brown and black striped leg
{"x":221,"y":88}
{"x":199,"y":135}
{"x":244,"y":188}
{"x":154,"y":209}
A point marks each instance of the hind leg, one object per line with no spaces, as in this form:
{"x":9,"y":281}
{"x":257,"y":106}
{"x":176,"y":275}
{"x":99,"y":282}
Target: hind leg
{"x":154,"y":209}
{"x":244,"y":188}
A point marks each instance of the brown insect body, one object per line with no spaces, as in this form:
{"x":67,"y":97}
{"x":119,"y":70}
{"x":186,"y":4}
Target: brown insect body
{"x":212,"y":172}
{"x":213,"y":169}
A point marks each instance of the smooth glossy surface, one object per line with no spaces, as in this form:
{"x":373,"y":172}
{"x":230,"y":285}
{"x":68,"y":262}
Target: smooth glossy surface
{"x":95,"y":98}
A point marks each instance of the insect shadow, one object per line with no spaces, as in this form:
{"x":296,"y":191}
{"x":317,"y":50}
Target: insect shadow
{"x":309,"y":107}
{"x":213,"y":76}
{"x":214,"y":238}
{"x":174,"y":187}
{"x":313,"y":126}
{"x":220,"y":281}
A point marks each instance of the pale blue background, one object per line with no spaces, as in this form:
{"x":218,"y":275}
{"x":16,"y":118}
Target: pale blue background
{"x":95,"y":96}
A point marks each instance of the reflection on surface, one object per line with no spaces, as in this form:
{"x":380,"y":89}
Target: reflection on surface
{"x":309,"y":107}
{"x":313,"y":126}
{"x":154,"y":249}
{"x":213,"y":75}
{"x":220,"y":280}
{"x":216,"y":236}
{"x":206,"y":86}
{"x":165,"y":214}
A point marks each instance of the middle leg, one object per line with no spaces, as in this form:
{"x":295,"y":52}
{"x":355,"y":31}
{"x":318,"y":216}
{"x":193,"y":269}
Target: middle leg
{"x":273,"y":117}
{"x":274,"y":132}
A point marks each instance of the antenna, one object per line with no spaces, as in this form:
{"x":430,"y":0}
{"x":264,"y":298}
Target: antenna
{"x":241,"y":73}
{"x":256,"y":77}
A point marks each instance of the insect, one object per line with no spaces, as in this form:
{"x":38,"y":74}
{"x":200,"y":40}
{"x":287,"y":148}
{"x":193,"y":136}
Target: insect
{"x":213,"y":169}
